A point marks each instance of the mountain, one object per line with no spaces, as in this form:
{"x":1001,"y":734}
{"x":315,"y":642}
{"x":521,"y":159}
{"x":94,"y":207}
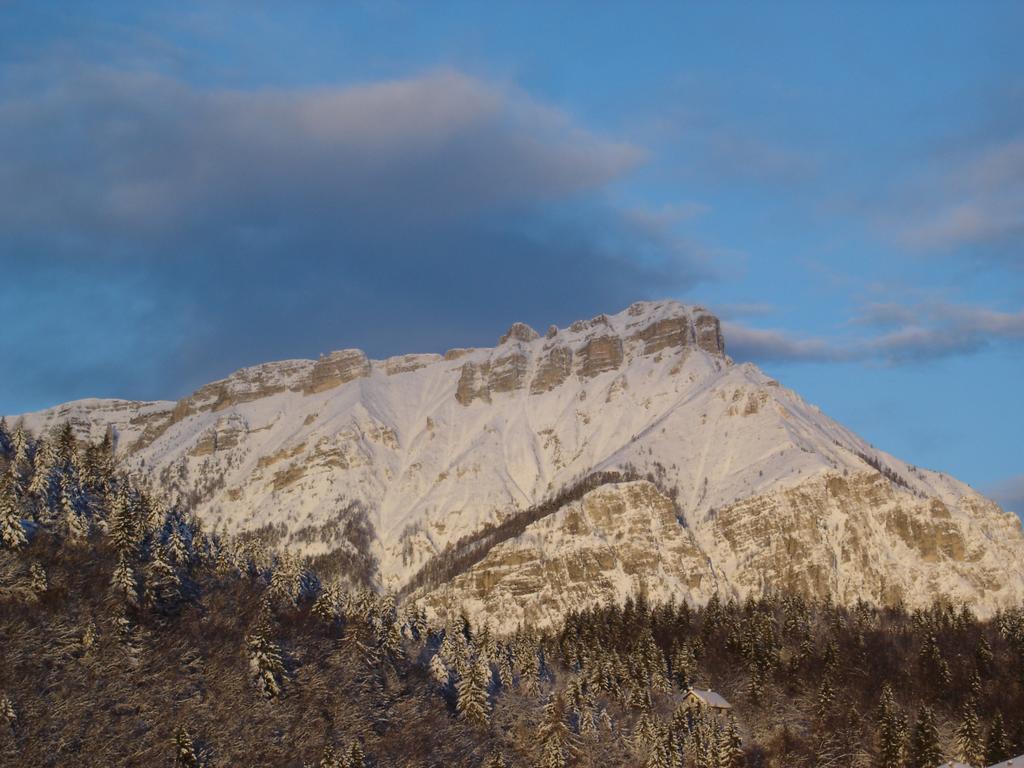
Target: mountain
{"x":626,"y":452}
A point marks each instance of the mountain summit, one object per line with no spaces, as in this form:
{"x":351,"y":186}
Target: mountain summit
{"x":623,"y":453}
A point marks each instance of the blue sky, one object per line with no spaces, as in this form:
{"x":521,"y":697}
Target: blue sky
{"x":192,"y":187}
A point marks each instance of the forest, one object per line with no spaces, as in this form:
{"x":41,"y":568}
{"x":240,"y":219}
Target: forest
{"x":134,"y":637}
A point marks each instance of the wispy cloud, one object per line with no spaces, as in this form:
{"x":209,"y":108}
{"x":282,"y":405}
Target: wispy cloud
{"x":149,"y":152}
{"x":974,"y":201}
{"x":895,"y":334}
{"x":766,"y":345}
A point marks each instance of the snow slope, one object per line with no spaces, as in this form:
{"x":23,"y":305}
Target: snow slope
{"x":432,"y":447}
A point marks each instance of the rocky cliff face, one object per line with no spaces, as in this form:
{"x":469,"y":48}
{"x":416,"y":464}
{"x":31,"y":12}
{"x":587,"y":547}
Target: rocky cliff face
{"x":741,"y":485}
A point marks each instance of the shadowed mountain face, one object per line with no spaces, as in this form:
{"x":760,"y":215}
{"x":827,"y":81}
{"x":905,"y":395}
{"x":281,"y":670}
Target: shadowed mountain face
{"x":623,"y":453}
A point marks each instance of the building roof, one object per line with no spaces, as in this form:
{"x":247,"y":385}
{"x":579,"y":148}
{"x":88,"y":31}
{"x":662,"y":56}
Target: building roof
{"x":710,"y":698}
{"x":1013,"y":762}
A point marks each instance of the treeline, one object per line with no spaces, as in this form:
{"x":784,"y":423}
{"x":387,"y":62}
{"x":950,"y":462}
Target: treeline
{"x":131,"y":636}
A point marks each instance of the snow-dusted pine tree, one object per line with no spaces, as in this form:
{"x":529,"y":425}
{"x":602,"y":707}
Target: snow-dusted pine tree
{"x":21,"y":461}
{"x":265,"y":661}
{"x":892,"y":732}
{"x":329,"y":757}
{"x":355,"y":758}
{"x":12,"y":533}
{"x":553,"y":733}
{"x":496,"y":759}
{"x":683,"y":666}
{"x":328,"y":602}
{"x":997,"y":748}
{"x":439,"y":671}
{"x":124,"y":583}
{"x":8,"y":714}
{"x":74,"y":515}
{"x":472,"y":692}
{"x":5,"y":439}
{"x":968,"y":735}
{"x":505,"y":674}
{"x":730,"y":745}
{"x":184,"y":749}
{"x":43,"y":486}
{"x":825,"y":698}
{"x":163,"y":585}
{"x":123,"y":526}
{"x":924,"y":743}
{"x":38,"y":583}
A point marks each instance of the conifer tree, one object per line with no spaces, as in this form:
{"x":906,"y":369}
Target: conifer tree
{"x":326,"y":604}
{"x":968,"y":736}
{"x":265,"y":662}
{"x":974,"y":687}
{"x":89,"y":635}
{"x":505,"y":674}
{"x":826,"y":698}
{"x":12,"y":533}
{"x":755,"y":685}
{"x":7,"y":712}
{"x":5,"y":439}
{"x":65,"y":444}
{"x":659,"y":752}
{"x":388,"y":636}
{"x":472,"y":693}
{"x":355,"y":758}
{"x":640,"y":696}
{"x":124,"y":527}
{"x":43,"y":487}
{"x":984,"y":657}
{"x":684,"y":666}
{"x":924,"y":743}
{"x":530,"y":676}
{"x":642,"y":739}
{"x":892,"y":732}
{"x":163,"y":586}
{"x":178,"y":553}
{"x":416,"y":621}
{"x":329,"y":758}
{"x":284,"y":581}
{"x":439,"y":671}
{"x":553,"y":733}
{"x":496,"y":759}
{"x":124,"y":583}
{"x":997,"y":748}
{"x":730,"y":745}
{"x":73,"y":513}
{"x":21,"y":462}
{"x":38,"y":583}
{"x":184,"y":749}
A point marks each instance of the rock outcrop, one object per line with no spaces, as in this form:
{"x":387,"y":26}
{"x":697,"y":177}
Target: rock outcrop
{"x":600,"y":354}
{"x":335,"y":369}
{"x":518,"y":332}
{"x":553,"y":368}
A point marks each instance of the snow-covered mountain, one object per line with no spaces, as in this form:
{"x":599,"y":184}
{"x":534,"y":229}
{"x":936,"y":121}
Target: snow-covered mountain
{"x":704,"y":476}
